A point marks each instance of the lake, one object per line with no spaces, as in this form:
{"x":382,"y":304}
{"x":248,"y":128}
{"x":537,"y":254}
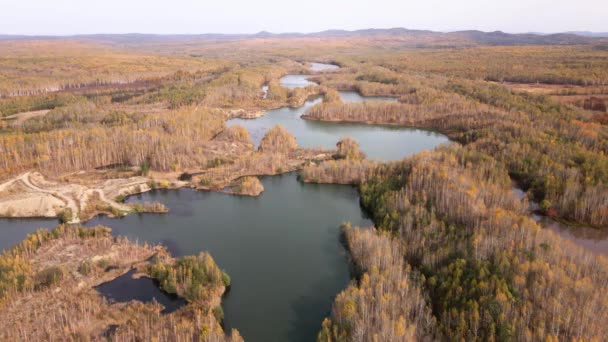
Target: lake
{"x":376,"y":141}
{"x":126,"y":288}
{"x":281,"y":249}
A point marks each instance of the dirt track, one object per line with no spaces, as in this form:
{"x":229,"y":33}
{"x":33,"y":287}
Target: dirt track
{"x":30,"y":195}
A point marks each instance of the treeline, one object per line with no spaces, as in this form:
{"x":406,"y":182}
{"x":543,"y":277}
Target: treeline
{"x":76,"y":114}
{"x":349,"y":166}
{"x":278,"y":153}
{"x":278,"y":140}
{"x":16,"y":272}
{"x":487,"y":271}
{"x":165,"y":142}
{"x":526,"y":64}
{"x":343,"y":171}
{"x":369,"y":79}
{"x":229,"y":88}
{"x":554,"y":151}
{"x":387,"y":303}
{"x":447,"y":112}
{"x":206,"y":83}
{"x":40,"y":67}
{"x":32,"y":103}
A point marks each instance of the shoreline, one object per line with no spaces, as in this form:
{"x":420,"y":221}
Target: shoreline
{"x":382,"y":124}
{"x":20,"y":198}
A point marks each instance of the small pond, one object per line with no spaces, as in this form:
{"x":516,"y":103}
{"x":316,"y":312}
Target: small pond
{"x":126,"y":288}
{"x":323,"y":67}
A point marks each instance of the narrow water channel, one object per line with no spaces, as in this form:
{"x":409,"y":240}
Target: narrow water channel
{"x":591,"y":239}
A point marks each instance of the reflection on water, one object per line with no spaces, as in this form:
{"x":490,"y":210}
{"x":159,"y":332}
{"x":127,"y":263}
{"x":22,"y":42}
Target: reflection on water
{"x":353,"y":96}
{"x":281,"y":249}
{"x":377,"y":142}
{"x":592,"y":239}
{"x":296,"y":81}
{"x":323,"y":67}
{"x":125,"y":288}
{"x":300,"y":81}
{"x":14,"y":230}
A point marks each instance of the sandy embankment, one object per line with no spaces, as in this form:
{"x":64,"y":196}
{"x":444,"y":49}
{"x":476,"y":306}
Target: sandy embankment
{"x":31,"y":195}
{"x":245,"y":114}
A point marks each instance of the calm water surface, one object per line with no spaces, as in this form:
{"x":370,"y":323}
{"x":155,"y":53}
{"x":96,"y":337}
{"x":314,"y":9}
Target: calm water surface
{"x":353,"y":96}
{"x":125,"y":288}
{"x":323,"y":67}
{"x":13,"y":231}
{"x":300,"y":81}
{"x":296,"y":81}
{"x":281,"y":249}
{"x":591,"y":239}
{"x":378,"y":142}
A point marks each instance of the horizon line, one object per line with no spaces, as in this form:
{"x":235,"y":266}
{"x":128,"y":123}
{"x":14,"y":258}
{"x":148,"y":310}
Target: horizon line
{"x":68,"y":35}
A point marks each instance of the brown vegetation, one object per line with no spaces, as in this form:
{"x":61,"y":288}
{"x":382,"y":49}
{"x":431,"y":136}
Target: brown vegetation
{"x":490,"y":272}
{"x":454,"y":256}
{"x":250,"y":186}
{"x":508,"y":125}
{"x":47,"y":290}
{"x":348,"y":166}
{"x":349,"y":149}
{"x":387,"y":304}
{"x":164,"y":142}
{"x":278,"y":140}
{"x":278,"y":153}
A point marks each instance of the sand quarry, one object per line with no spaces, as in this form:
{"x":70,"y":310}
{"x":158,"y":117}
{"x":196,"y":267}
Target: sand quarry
{"x":31,"y":195}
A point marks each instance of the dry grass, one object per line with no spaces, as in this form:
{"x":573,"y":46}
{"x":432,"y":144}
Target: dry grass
{"x":70,"y":308}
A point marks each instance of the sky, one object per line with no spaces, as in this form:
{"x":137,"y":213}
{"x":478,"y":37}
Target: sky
{"x":67,"y":17}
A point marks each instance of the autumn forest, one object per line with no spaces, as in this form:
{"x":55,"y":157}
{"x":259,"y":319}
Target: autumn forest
{"x":457,"y":248}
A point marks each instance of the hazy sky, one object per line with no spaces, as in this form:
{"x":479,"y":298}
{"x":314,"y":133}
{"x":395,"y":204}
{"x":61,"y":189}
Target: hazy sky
{"x":59,"y":17}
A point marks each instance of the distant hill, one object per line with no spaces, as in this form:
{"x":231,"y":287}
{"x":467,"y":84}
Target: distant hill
{"x":590,"y":34}
{"x":502,"y":38}
{"x":416,"y":37}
